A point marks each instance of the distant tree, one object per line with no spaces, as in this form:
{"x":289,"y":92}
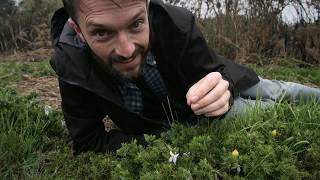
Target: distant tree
{"x":7,"y":8}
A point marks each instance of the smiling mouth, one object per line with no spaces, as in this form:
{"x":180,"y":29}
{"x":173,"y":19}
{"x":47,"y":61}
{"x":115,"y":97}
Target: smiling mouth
{"x":125,"y":61}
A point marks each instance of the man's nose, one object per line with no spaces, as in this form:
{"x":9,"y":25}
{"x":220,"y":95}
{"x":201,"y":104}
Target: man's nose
{"x":125,"y":47}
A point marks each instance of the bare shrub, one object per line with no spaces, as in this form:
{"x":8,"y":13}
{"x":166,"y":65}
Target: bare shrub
{"x":246,"y":31}
{"x":249,"y":31}
{"x":26,"y":26}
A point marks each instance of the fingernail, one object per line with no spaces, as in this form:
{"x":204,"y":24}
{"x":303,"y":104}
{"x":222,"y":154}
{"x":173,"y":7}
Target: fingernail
{"x":189,"y":102}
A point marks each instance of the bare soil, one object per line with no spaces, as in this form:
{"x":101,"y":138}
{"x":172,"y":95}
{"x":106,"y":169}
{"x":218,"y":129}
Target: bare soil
{"x":29,"y":56}
{"x":48,"y":90}
{"x":46,"y":87}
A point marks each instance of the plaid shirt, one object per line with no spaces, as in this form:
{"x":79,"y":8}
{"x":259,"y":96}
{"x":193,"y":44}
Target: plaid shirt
{"x":131,"y":94}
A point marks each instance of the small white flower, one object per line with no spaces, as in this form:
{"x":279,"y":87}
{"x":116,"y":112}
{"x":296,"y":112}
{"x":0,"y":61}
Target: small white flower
{"x":173,"y":157}
{"x":47,"y":110}
{"x":186,"y":154}
{"x":63,"y":123}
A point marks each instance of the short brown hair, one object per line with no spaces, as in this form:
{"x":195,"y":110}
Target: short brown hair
{"x":70,"y":6}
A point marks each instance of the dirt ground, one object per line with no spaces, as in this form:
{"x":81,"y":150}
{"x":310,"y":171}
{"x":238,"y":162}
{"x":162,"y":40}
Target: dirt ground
{"x":29,"y":56}
{"x":46,"y":87}
{"x":48,"y":90}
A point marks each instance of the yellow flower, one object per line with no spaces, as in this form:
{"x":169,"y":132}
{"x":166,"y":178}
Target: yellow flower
{"x":274,"y":133}
{"x":235,"y":153}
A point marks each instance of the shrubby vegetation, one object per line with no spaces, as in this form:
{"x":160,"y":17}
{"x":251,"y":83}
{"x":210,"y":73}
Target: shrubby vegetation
{"x":245,"y":31}
{"x":13,"y":72}
{"x":281,"y":142}
{"x":25,"y":26}
{"x":26,"y":132}
{"x":250,"y":31}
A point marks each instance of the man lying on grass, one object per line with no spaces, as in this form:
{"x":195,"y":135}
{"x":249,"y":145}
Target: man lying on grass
{"x":142,"y":64}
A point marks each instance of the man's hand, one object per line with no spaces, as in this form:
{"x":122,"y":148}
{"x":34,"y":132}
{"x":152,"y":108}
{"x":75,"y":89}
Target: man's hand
{"x":209,"y":96}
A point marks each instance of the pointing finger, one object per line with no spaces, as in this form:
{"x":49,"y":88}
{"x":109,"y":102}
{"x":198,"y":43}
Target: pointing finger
{"x":201,"y":88}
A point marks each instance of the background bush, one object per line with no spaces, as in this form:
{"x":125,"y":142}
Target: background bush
{"x":250,"y":30}
{"x":243,"y":30}
{"x":25,"y":26}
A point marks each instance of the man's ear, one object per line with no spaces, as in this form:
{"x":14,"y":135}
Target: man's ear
{"x":76,"y":28}
{"x":148,"y":3}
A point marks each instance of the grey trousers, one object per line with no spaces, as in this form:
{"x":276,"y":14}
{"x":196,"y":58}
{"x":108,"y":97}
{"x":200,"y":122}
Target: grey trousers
{"x":267,"y":92}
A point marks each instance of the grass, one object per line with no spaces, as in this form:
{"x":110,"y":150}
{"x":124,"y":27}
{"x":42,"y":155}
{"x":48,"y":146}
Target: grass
{"x":34,"y":145}
{"x":26,"y":132}
{"x":293,"y":73}
{"x":12,"y":72}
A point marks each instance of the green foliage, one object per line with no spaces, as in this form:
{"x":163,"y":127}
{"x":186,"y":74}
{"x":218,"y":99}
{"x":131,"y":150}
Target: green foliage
{"x":61,"y":164}
{"x":11,"y":72}
{"x":36,"y":146}
{"x":26,"y":26}
{"x":262,"y":155}
{"x":291,"y":72}
{"x":7,"y":8}
{"x":40,"y":10}
{"x":24,"y":130}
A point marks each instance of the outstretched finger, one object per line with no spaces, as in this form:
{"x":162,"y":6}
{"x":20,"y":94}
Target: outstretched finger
{"x":215,"y":105}
{"x":201,"y":88}
{"x":216,"y":93}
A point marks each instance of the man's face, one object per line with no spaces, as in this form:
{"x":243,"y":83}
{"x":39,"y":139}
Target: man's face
{"x":117,"y":33}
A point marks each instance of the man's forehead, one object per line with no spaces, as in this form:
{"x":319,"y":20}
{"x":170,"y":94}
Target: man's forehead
{"x":102,"y":12}
{"x":92,"y":5}
{"x":112,"y":22}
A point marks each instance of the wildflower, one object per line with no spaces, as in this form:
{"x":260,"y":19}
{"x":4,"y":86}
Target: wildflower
{"x":186,"y":154}
{"x":274,"y":133}
{"x":63,"y":123}
{"x":235,"y":153}
{"x":173,"y":157}
{"x":47,"y":110}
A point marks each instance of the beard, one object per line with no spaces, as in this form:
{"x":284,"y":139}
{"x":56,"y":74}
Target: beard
{"x":130,"y":74}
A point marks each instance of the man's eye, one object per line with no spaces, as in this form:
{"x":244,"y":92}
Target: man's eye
{"x":100,"y":34}
{"x":137,"y":25}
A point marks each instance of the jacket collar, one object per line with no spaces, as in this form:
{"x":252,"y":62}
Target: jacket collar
{"x":76,"y":66}
{"x":70,"y":37}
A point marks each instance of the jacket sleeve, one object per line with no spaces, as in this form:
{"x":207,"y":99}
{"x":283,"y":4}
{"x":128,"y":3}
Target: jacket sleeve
{"x":189,"y":52}
{"x":83,"y":118}
{"x":199,"y":59}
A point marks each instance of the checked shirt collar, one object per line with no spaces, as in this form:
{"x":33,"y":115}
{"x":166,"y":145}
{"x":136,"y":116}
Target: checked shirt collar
{"x":131,"y":94}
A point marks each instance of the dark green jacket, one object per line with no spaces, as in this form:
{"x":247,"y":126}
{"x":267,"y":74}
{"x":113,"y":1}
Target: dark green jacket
{"x":88,"y":95}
